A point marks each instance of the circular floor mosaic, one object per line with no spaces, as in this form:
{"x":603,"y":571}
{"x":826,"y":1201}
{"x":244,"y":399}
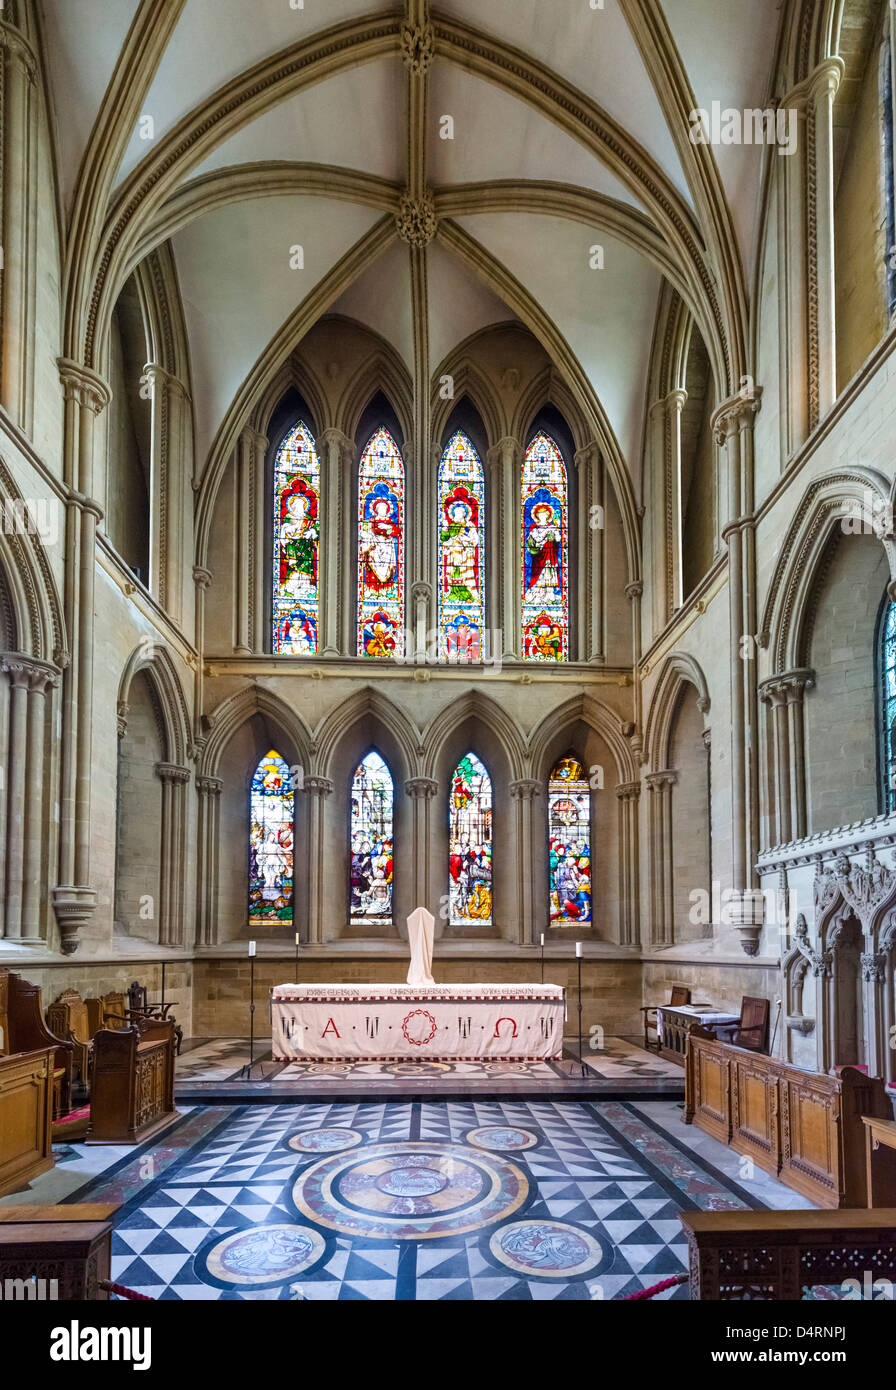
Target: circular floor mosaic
{"x":502,"y":1139}
{"x":324,"y":1141}
{"x":264,"y":1255}
{"x":549,"y":1249}
{"x":410,"y":1191}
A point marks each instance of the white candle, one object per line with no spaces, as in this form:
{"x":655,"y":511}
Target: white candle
{"x":251,"y":948}
{"x":542,"y":938}
{"x":297,"y":938}
{"x":578,"y":948}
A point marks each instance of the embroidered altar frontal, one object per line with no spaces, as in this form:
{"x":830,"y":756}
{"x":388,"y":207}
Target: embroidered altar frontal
{"x":438,"y":1022}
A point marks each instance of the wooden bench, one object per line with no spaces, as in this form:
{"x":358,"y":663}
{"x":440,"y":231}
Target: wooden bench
{"x":64,"y":1251}
{"x":781,"y":1254}
{"x":132,"y":1094}
{"x":29,"y":1033}
{"x":67,"y":1019}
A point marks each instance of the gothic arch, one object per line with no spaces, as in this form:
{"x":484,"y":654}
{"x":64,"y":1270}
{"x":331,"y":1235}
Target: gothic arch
{"x":584,"y":709}
{"x":294,"y":375}
{"x":827,"y":502}
{"x":677,"y":671}
{"x":370,"y":704}
{"x":474,"y":706}
{"x":233,"y":712}
{"x":171,"y":704}
{"x":470,"y":381}
{"x":383,"y":372}
{"x":32,"y":593}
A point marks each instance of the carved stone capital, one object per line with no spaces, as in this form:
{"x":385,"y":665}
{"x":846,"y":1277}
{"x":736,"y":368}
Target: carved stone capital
{"x":634,"y":590}
{"x":28,"y":672}
{"x":526,"y":789}
{"x":734,"y":414}
{"x":17,"y":50}
{"x":628,"y":791}
{"x":874,"y":966}
{"x":209,"y":786}
{"x":318,"y":786}
{"x":421,"y":788}
{"x":657,"y":780}
{"x":202,"y":578}
{"x":416,"y":220}
{"x":172,"y":772}
{"x":83,"y":385}
{"x":786,"y":688}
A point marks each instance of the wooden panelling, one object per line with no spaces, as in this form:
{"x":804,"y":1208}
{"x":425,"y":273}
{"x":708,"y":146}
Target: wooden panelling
{"x":26,"y":1107}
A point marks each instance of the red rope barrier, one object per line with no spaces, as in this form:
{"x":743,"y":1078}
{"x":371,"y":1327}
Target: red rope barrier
{"x":656,"y":1288}
{"x":122,"y":1292}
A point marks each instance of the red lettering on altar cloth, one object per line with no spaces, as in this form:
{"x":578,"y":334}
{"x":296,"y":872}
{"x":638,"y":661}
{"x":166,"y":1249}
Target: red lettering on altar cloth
{"x":331,"y":1024}
{"x":505,"y":1020}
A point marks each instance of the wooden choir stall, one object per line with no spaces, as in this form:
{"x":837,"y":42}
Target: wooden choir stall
{"x":132,"y":1095}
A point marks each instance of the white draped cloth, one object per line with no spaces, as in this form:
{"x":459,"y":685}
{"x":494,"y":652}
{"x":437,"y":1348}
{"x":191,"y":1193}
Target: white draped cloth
{"x":420,"y":934}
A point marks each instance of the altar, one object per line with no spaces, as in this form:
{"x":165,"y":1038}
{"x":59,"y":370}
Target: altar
{"x":444,"y":1023}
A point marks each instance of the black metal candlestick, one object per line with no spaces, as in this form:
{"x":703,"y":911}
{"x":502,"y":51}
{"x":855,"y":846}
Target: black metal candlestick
{"x":581,"y":1051}
{"x":248,"y":1069}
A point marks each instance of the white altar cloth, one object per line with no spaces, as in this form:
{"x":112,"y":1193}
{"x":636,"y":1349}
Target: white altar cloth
{"x":444,"y":1023}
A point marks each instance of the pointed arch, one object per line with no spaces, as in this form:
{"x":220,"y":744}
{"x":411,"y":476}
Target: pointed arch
{"x":171,"y":706}
{"x":372,"y":842}
{"x":369,"y":707}
{"x":297,"y":523}
{"x":470,"y":892}
{"x":544,"y":519}
{"x":285,"y":728}
{"x":271,"y":843}
{"x":594,"y":714}
{"x":678,"y":670}
{"x":469,"y":707}
{"x":380,"y":548}
{"x":462,"y":548}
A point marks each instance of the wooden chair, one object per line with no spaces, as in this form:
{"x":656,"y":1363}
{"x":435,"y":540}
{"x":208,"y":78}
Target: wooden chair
{"x":67,"y":1017}
{"x":107,"y":1011}
{"x":680,"y":995}
{"x":751,"y":1031}
{"x":29,"y":1033}
{"x":139,"y":1007}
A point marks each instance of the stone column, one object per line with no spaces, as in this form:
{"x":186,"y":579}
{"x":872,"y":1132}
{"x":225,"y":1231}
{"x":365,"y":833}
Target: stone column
{"x":336,"y":555}
{"x":41,"y":677}
{"x":784,"y":694}
{"x":202,"y":578}
{"x":874,"y":976}
{"x":634,"y":593}
{"x":74,"y":901}
{"x":592,"y":586}
{"x":523,"y":793}
{"x":17,"y":668}
{"x":167,"y":434}
{"x":208,"y":831}
{"x":18,"y":230}
{"x":250,"y":453}
{"x":627,"y":794}
{"x":421,"y":790}
{"x":422,"y":608}
{"x":771,"y":693}
{"x":174,"y":780}
{"x":793,"y":339}
{"x":505,"y":461}
{"x":821,"y":90}
{"x":660,"y":785}
{"x":317,"y":789}
{"x":796,"y":683}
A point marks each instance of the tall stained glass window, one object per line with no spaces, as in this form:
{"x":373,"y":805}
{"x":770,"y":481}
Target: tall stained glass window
{"x":470,"y":843}
{"x":296,"y":544}
{"x":380,"y":548}
{"x":545,"y":527}
{"x":371,"y":866}
{"x":569,"y":843}
{"x":271,"y":805}
{"x":461,"y":534}
{"x":887,"y":709}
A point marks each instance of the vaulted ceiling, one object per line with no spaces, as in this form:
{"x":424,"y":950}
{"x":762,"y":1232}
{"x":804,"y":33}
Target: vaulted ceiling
{"x":569,"y":130}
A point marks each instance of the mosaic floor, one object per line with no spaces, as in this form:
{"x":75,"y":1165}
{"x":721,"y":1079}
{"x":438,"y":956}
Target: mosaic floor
{"x":386,"y":1201}
{"x":217,"y":1062}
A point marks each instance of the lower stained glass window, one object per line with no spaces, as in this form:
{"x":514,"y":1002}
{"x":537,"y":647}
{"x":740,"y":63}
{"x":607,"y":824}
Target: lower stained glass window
{"x":371,"y":832}
{"x":271,"y":832}
{"x":470,"y":843}
{"x":569,"y":843}
{"x":887,"y":716}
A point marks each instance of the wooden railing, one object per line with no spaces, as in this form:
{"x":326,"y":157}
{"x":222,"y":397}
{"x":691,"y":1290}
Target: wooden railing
{"x":782,"y":1255}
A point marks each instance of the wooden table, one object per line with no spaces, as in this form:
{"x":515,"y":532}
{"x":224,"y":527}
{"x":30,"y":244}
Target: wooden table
{"x":880,"y":1168}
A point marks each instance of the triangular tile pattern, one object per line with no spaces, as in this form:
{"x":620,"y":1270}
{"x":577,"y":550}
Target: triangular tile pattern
{"x":592,"y":1169}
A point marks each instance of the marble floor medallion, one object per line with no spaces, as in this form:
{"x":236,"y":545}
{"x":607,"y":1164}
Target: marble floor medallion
{"x":321,"y":1141}
{"x":264,"y":1255}
{"x":501,"y":1139}
{"x":410,"y":1191}
{"x":550,"y":1249}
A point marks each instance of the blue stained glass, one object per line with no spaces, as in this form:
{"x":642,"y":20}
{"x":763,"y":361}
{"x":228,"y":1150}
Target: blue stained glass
{"x":271,"y":808}
{"x":569,"y":843}
{"x":888,"y":708}
{"x":372,"y":845}
{"x":470,"y":843}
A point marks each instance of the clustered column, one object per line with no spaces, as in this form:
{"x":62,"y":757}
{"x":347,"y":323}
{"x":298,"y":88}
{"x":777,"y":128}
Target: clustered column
{"x":627,"y":794}
{"x":18,"y":231}
{"x":335,"y":582}
{"x":422,"y":790}
{"x":506,"y":458}
{"x":172,"y":870}
{"x":21,"y":828}
{"x":250,"y":457}
{"x":592,"y":588}
{"x":208,"y":830}
{"x":317,"y":789}
{"x":784,"y":695}
{"x":662,"y":926}
{"x":523,"y":794}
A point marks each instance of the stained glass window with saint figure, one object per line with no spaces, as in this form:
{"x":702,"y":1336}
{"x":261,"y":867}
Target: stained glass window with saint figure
{"x":887,"y":708}
{"x":296,"y":593}
{"x":569,"y":843}
{"x":545,"y":576}
{"x":371,"y":840}
{"x":271,"y":811}
{"x":461,"y":533}
{"x":470,"y":843}
{"x":380,"y":548}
